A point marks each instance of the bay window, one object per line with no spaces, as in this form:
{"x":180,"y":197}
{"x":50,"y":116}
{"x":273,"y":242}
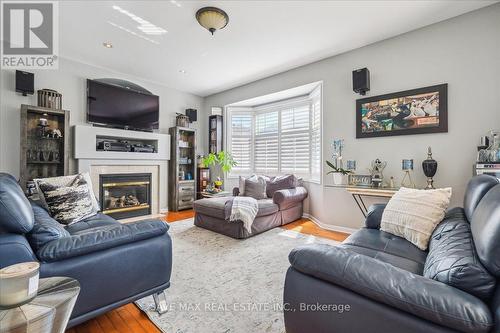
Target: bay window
{"x":277,"y":138}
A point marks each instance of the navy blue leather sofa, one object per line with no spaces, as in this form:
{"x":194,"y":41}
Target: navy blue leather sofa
{"x":379,"y":283}
{"x":114,"y":263}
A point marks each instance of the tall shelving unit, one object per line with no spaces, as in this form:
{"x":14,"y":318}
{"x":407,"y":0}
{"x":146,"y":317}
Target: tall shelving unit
{"x":215,"y":137}
{"x":182,"y":168}
{"x":43,"y":155}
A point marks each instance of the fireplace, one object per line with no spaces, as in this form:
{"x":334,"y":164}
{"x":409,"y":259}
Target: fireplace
{"x":125,"y":195}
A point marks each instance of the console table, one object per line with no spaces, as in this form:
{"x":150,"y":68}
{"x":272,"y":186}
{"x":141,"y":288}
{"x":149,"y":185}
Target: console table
{"x":358,"y":192}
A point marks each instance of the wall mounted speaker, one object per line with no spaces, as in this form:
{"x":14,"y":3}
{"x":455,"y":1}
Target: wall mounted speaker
{"x":361,"y":81}
{"x":192,"y":114}
{"x":25,"y":83}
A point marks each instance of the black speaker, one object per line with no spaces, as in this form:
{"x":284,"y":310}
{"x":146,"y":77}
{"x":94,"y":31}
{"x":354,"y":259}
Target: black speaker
{"x":192,"y":114}
{"x":361,"y":81}
{"x":25,"y":83}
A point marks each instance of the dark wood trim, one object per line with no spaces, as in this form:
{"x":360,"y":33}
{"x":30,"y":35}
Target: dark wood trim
{"x":443,"y":112}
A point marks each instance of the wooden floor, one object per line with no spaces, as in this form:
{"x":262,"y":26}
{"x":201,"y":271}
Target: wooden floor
{"x":129,"y":319}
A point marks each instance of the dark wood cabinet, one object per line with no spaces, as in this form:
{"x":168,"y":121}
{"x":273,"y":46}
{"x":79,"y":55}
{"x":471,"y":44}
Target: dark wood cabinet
{"x":45,"y":144}
{"x":215,"y":134}
{"x":203,"y":180}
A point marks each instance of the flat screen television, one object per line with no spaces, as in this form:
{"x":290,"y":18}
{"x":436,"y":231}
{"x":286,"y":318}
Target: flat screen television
{"x":114,"y":106}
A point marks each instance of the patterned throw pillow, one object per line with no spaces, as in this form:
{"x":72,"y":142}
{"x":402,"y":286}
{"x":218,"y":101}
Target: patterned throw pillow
{"x":66,"y":181}
{"x":68,"y":204}
{"x":414,"y":214}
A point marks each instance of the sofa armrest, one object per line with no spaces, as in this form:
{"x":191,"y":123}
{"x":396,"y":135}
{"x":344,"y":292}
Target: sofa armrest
{"x":288,"y":198}
{"x":374,"y":216}
{"x":422,"y":297}
{"x":236,"y":191}
{"x":14,"y":249}
{"x":100,"y":239}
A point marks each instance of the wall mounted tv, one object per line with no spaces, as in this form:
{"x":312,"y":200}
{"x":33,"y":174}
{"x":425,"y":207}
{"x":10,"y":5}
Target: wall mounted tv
{"x":121,"y":107}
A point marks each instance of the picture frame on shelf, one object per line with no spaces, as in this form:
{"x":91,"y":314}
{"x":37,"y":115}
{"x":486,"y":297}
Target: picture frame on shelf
{"x":416,"y":111}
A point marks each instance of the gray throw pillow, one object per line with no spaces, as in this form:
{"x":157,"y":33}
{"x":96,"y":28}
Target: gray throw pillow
{"x":68,"y":204}
{"x":255,"y":187}
{"x":280,"y":183}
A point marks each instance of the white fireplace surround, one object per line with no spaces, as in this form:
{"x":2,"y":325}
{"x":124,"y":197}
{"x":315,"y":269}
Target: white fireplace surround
{"x":108,"y":162}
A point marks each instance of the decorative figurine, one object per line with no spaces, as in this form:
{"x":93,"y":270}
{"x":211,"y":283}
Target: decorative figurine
{"x":430,"y":167}
{"x":377,"y":172}
{"x":407,"y":167}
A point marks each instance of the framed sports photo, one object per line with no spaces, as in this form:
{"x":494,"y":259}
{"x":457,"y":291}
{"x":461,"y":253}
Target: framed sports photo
{"x":416,"y":111}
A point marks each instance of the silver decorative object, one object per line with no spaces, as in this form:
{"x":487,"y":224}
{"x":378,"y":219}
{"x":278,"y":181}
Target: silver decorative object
{"x":377,"y":169}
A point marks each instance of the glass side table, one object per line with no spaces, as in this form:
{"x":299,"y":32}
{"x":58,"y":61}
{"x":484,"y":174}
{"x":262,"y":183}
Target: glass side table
{"x":48,"y":312}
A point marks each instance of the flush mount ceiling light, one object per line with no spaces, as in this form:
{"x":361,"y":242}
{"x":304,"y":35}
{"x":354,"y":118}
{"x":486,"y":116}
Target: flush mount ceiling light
{"x":107,"y":45}
{"x":212,"y":18}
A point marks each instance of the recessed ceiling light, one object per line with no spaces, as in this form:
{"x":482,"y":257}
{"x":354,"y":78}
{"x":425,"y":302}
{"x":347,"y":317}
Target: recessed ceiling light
{"x":182,"y":71}
{"x":107,"y":45}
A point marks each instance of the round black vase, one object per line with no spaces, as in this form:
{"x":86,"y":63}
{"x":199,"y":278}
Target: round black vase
{"x":430,"y":167}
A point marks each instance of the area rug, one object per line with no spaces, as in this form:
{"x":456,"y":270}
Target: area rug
{"x":224,"y":285}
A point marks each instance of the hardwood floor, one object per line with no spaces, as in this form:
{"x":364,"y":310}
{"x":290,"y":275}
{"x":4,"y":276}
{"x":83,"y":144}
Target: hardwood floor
{"x":308,"y":227}
{"x":129,"y":319}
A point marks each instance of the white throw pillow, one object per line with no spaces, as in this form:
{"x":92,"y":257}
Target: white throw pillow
{"x":414,"y":214}
{"x":65,"y":181}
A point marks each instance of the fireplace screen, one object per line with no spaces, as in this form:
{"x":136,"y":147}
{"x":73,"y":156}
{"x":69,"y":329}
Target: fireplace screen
{"x":125,"y":195}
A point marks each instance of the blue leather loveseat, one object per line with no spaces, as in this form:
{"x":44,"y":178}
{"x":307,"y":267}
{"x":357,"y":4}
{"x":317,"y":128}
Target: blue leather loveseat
{"x":114,"y":263}
{"x":380,"y":283}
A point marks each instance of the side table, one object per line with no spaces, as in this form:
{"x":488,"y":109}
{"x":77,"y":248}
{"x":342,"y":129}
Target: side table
{"x":48,"y":312}
{"x":204,"y":194}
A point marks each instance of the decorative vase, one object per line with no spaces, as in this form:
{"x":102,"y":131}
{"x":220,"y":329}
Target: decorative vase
{"x":430,"y":167}
{"x":340,"y":179}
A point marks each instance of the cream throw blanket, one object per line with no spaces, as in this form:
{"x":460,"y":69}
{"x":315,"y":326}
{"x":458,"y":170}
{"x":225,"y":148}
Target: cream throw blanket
{"x":244,"y":209}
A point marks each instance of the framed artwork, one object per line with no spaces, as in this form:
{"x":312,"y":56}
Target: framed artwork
{"x":417,"y":111}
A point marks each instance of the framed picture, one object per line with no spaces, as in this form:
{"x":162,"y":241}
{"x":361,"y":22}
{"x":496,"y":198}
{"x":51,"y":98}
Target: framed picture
{"x":417,"y":111}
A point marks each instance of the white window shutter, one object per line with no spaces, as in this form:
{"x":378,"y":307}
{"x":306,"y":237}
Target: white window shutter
{"x":241,"y":142}
{"x":266,"y":143}
{"x":295,"y":140}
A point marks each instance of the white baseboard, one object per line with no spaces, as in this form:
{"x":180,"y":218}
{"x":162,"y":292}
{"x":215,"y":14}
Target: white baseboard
{"x":329,"y":226}
{"x":163,"y":210}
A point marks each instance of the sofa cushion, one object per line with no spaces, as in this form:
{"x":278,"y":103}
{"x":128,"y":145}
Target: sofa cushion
{"x":101,"y":239}
{"x":215,"y":207}
{"x":45,"y":228}
{"x":221,"y":207}
{"x":414,"y":214}
{"x":96,"y":221}
{"x":388,"y":248}
{"x":277,"y":183}
{"x":453,"y":260}
{"x":68,"y":203}
{"x":476,"y":189}
{"x":485,"y":228}
{"x":16,"y":215}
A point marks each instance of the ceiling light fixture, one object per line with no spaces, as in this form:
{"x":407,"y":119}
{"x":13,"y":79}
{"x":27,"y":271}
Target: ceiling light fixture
{"x":212,"y":18}
{"x":107,"y":45}
{"x":182,"y":71}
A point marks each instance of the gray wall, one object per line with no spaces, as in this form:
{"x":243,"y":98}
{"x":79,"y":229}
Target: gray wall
{"x":463,"y":52}
{"x":70,"y":80}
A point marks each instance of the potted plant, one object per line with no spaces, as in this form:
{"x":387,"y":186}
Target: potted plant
{"x":340,"y":175}
{"x":222,"y":159}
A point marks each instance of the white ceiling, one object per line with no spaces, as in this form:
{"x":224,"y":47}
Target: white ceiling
{"x":262,"y":38}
